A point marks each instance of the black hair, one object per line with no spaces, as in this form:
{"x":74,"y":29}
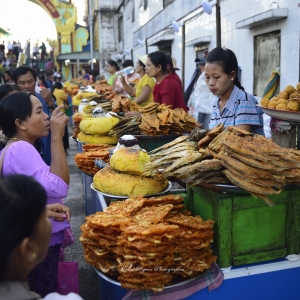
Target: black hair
{"x":79,"y":72}
{"x":6,"y":89}
{"x":14,"y":106}
{"x":127,"y":63}
{"x":114,"y":64}
{"x":22,"y":71}
{"x":142,"y":64}
{"x":227,"y":60}
{"x":57,"y":85}
{"x":22,"y":202}
{"x":169,"y":61}
{"x":159,"y":58}
{"x":43,"y":79}
{"x":8,"y":72}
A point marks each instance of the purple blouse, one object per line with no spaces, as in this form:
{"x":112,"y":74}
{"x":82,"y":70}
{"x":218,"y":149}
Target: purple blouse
{"x":22,"y":158}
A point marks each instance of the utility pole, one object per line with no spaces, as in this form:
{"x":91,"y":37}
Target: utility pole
{"x":218,"y":23}
{"x":91,"y":33}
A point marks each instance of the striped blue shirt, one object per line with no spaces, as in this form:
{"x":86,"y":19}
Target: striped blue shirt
{"x":240,"y":109}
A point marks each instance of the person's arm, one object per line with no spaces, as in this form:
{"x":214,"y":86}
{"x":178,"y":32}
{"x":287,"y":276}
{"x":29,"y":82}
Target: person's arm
{"x":245,"y":127}
{"x":146,"y":90}
{"x":59,"y":164}
{"x":128,"y":89}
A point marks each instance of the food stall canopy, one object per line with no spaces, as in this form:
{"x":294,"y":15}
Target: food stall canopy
{"x":263,"y":18}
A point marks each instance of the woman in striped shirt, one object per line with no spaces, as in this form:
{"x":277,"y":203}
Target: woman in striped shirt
{"x":233,"y":106}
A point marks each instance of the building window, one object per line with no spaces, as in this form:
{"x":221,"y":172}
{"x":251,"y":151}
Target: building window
{"x":166,"y":3}
{"x":120,"y":29}
{"x":145,"y":4}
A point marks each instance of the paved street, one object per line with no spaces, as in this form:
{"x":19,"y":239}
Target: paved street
{"x":88,"y":280}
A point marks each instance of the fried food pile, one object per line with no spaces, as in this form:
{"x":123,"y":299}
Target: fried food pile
{"x":253,"y":163}
{"x":155,"y":120}
{"x":147,"y":243}
{"x":288,"y":99}
{"x":86,"y":161}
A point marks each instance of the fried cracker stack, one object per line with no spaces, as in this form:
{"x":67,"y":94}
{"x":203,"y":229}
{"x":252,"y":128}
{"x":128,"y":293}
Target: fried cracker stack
{"x":86,"y":161}
{"x":148,"y":242}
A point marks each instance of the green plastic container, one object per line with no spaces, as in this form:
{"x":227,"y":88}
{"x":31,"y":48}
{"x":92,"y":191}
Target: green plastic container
{"x":246,"y":229}
{"x":152,"y":142}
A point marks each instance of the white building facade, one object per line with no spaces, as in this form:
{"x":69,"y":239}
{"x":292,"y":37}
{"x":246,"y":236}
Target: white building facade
{"x":264,"y":35}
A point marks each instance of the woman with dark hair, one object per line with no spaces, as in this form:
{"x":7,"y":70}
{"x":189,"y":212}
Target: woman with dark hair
{"x":25,"y":231}
{"x":112,"y":67}
{"x":233,"y":106}
{"x":62,"y":99}
{"x":143,"y":89}
{"x":6,"y":89}
{"x":42,"y":81}
{"x":23,"y":121}
{"x":166,"y":90}
{"x":172,"y":68}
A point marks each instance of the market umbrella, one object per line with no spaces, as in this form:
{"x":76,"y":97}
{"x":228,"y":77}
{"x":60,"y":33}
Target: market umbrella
{"x":272,"y":85}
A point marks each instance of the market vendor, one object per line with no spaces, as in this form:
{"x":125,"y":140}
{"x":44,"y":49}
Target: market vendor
{"x":166,"y":90}
{"x":233,"y":106}
{"x":112,"y":67}
{"x":143,"y":89}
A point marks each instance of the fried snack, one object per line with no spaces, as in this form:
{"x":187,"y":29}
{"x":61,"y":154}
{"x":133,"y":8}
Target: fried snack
{"x":147,"y":245}
{"x":293,"y":105}
{"x":97,"y":139}
{"x":283,"y":94}
{"x":272,"y":105}
{"x":290,"y":89}
{"x":298,"y":86}
{"x":110,"y":181}
{"x":281,"y":106}
{"x":264,"y":102}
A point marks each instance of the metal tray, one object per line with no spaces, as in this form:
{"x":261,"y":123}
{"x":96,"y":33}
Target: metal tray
{"x":171,"y":285}
{"x":125,"y":197}
{"x":282,"y":114}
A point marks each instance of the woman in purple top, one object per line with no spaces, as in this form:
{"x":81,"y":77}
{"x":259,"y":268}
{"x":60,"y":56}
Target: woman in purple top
{"x":23,"y":121}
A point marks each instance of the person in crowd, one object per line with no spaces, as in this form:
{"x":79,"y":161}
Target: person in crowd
{"x":35,"y":51}
{"x":16,"y":50}
{"x":85,"y":75}
{"x":142,"y":91}
{"x":42,"y":81}
{"x":62,"y":99}
{"x":2,"y":51}
{"x":43,"y":51}
{"x":49,"y":79}
{"x":27,"y":48}
{"x":25,"y":231}
{"x":12,"y":60}
{"x":7,"y":77}
{"x":202,"y":99}
{"x":172,"y":68}
{"x":79,"y":75}
{"x":49,"y":64}
{"x":166,"y":90}
{"x":23,"y":122}
{"x":25,"y":78}
{"x":6,"y":89}
{"x":112,"y":67}
{"x":119,"y":88}
{"x":233,"y":106}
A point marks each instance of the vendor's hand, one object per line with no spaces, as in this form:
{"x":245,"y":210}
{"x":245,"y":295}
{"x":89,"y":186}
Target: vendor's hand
{"x":58,"y":121}
{"x":47,"y":95}
{"x":122,"y":79}
{"x":132,"y":114}
{"x":58,"y":212}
